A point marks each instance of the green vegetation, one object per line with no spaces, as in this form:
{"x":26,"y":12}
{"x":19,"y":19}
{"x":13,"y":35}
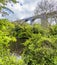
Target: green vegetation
{"x":6,"y":37}
{"x":37,"y":45}
{"x":3,"y":4}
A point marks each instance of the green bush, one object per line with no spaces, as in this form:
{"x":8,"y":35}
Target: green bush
{"x":37,"y":44}
{"x":53,"y":30}
{"x":5,"y":39}
{"x":40,"y":50}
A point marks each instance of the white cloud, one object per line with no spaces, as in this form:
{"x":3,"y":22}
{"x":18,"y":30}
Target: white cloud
{"x":23,"y":9}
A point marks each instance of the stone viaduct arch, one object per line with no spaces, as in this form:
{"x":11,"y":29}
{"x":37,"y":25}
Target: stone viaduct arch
{"x":44,"y":18}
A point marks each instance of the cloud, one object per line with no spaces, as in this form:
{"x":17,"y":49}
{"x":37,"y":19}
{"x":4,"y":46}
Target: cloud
{"x":22,"y":11}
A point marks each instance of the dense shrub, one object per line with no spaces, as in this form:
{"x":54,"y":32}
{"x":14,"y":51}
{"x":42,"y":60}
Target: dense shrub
{"x":39,"y":51}
{"x":53,"y":30}
{"x":6,"y":37}
{"x":38,"y":45}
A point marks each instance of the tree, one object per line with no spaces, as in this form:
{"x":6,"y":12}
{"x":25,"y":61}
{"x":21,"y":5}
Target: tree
{"x":43,"y":7}
{"x":2,"y":5}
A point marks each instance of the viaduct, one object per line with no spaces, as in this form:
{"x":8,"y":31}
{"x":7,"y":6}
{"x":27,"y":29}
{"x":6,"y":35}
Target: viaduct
{"x":44,"y":18}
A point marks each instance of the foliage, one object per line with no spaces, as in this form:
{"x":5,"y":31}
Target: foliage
{"x":5,"y":1}
{"x":38,"y":45}
{"x":39,"y":50}
{"x":6,"y":37}
{"x":3,"y":4}
{"x":53,"y":30}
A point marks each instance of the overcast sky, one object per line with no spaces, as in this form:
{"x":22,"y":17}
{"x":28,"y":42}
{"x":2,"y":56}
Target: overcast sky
{"x":23,"y":9}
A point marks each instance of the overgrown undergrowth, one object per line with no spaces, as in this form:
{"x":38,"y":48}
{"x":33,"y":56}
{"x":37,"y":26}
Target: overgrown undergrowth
{"x":37,"y":45}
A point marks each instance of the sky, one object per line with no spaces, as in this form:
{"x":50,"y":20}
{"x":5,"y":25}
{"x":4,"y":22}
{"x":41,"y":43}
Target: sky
{"x":23,"y":9}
